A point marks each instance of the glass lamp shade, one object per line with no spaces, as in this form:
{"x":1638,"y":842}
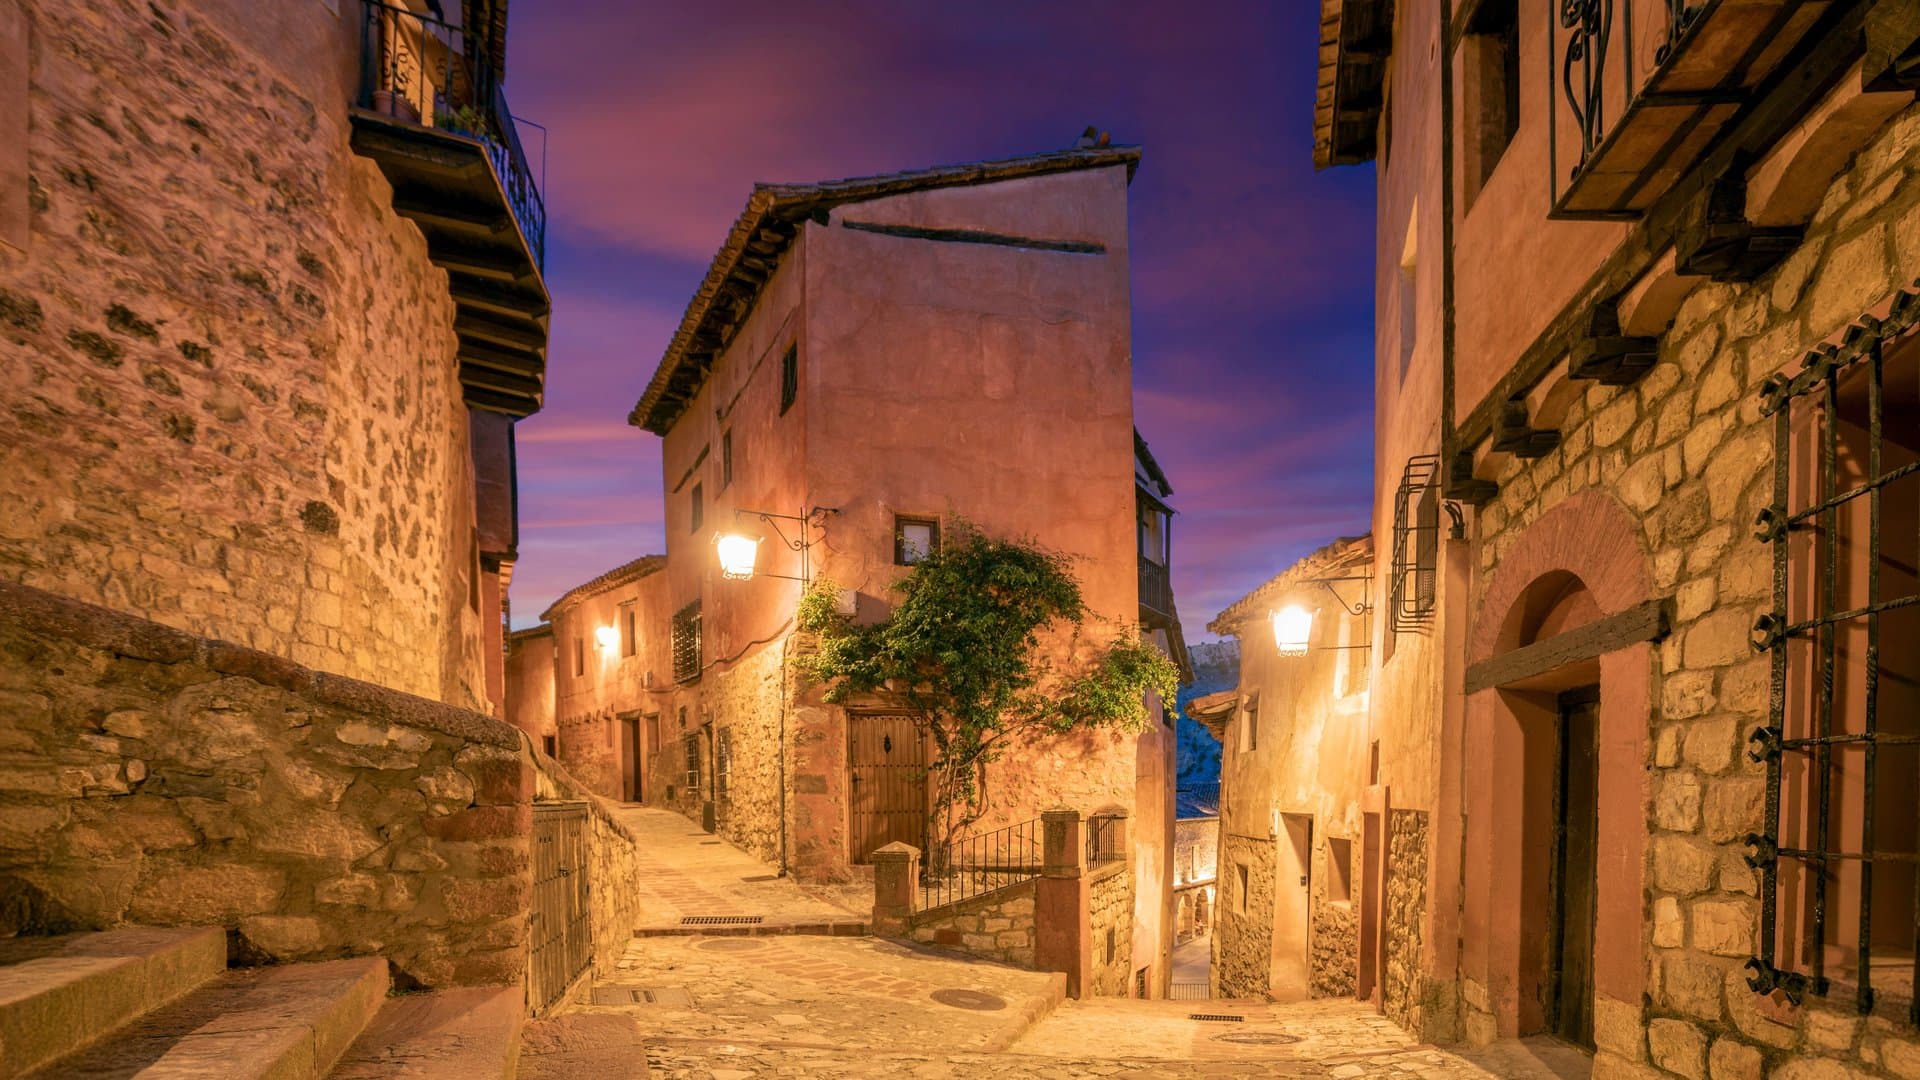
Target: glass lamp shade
{"x":1291,"y":627}
{"x":607,"y":636}
{"x":737,"y":555}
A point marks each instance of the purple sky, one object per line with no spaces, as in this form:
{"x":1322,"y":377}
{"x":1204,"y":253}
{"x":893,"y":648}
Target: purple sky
{"x":1252,"y":287}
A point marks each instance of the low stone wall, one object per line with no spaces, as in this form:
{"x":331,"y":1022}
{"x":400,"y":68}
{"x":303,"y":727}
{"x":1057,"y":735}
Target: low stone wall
{"x":1110,"y":896}
{"x":613,"y":862}
{"x":1243,"y":924}
{"x":996,"y":926}
{"x":151,"y":777}
{"x":1402,"y":995}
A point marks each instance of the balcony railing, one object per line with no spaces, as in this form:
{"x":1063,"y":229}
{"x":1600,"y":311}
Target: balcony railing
{"x":421,"y":70}
{"x":1156,"y":588}
{"x":1642,"y":89}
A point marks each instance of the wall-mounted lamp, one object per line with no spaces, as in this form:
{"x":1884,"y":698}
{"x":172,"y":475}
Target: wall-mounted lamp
{"x":607,"y":636}
{"x":739,"y":552}
{"x":1293,"y":624}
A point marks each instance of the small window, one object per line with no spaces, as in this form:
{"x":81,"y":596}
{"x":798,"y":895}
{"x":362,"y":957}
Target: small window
{"x":691,"y":743}
{"x":726,"y":460}
{"x":914,"y":539}
{"x":1249,"y":729}
{"x":1140,"y":982}
{"x":579,"y":657}
{"x":789,"y":378}
{"x":1490,"y":85}
{"x":629,"y":639}
{"x":697,"y":508}
{"x":1240,"y":895}
{"x":548,"y":746}
{"x":1339,"y":870}
{"x":1113,"y":942}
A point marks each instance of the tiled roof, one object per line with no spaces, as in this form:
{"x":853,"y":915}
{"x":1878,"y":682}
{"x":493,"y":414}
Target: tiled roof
{"x":764,"y":229}
{"x":1145,"y":457}
{"x":619,"y":575}
{"x":1349,"y":554}
{"x":1355,"y":39}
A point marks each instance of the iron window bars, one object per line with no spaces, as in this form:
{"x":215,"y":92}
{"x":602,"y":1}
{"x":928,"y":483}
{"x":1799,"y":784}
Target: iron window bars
{"x":722,"y":760}
{"x":686,"y":643}
{"x":1814,"y":741}
{"x":691,"y":744}
{"x":1416,"y":544}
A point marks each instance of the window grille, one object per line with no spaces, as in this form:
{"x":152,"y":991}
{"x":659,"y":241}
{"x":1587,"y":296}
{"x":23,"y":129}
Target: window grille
{"x":722,"y":760}
{"x":789,"y":378}
{"x":1840,"y":903}
{"x":691,"y":743}
{"x":1416,"y":544}
{"x":686,"y":643}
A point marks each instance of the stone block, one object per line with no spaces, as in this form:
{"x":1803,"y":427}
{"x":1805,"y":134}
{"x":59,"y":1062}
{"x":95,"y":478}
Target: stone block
{"x":482,"y":899}
{"x":175,"y":894}
{"x":1686,"y":694}
{"x":284,"y":937}
{"x":1724,"y":927}
{"x":1682,"y":865}
{"x":1719,"y":638}
{"x":1669,"y":927}
{"x":1733,"y":807}
{"x":1607,"y":1066}
{"x":1678,"y":1047}
{"x":1901,"y":1057}
{"x":1743,"y":1006}
{"x":1617,"y":1028}
{"x":1691,"y":984}
{"x":482,"y":823}
{"x":1807,"y":1067}
{"x":1676,"y":804}
{"x":446,"y":789}
{"x":1853,"y":279}
{"x":1829,"y":1029}
{"x":1710,"y":743}
{"x":1731,"y":1059}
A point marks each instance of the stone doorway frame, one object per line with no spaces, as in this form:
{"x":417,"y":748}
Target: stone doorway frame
{"x":1588,"y":546}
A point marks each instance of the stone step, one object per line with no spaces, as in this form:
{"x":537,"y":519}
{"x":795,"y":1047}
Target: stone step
{"x":58,"y":994}
{"x":249,"y":1024}
{"x":466,"y":1034}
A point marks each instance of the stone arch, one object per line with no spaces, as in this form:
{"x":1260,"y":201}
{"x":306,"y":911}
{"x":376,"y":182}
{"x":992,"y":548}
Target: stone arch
{"x":1580,"y":562}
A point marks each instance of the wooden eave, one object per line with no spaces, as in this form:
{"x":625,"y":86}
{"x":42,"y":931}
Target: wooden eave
{"x":1356,"y":38}
{"x":766,"y":228}
{"x":444,"y":183}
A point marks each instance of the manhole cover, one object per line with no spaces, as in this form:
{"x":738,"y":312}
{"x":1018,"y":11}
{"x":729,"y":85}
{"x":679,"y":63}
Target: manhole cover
{"x":732,"y":944}
{"x":1256,"y":1038}
{"x":969,"y":999}
{"x":675,"y":997}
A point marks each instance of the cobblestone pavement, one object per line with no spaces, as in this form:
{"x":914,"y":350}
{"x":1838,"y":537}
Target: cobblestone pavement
{"x":684,"y":871}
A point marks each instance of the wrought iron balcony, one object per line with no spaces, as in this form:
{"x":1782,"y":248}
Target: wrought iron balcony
{"x":432,"y":115}
{"x":1156,"y":594}
{"x":1642,"y":89}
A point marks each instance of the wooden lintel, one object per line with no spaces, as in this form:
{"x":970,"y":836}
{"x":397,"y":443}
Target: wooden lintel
{"x":452,"y":214}
{"x":1647,"y":621}
{"x":490,"y":294}
{"x":529,"y":337}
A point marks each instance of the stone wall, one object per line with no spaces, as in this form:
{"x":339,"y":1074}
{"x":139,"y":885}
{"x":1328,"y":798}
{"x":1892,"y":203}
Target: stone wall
{"x":232,"y":394}
{"x":1333,"y":941}
{"x":1110,"y":898}
{"x":1402,"y":984}
{"x":747,"y":700}
{"x":1689,"y":453}
{"x":996,"y":926}
{"x":1243,"y":926}
{"x":613,"y":865}
{"x":150,"y":777}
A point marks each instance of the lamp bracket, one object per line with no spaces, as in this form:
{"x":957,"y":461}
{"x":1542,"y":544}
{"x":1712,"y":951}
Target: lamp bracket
{"x":1359,"y":607}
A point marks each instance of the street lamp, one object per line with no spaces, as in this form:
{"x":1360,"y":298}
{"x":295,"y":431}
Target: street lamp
{"x":739,"y":552}
{"x":607,"y":636}
{"x":1291,"y":627}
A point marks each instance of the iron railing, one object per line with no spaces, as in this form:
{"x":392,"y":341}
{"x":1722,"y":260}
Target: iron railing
{"x":976,"y":865}
{"x":1156,"y":587}
{"x":686,"y":643}
{"x":1416,"y":545}
{"x":560,"y":924}
{"x":422,"y":70}
{"x":1841,"y":734}
{"x":1103,"y":839}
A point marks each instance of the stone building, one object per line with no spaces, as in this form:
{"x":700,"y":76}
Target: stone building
{"x":531,"y":671}
{"x":1295,"y":817}
{"x":860,"y":369}
{"x":271,"y":299}
{"x":1643,"y":663}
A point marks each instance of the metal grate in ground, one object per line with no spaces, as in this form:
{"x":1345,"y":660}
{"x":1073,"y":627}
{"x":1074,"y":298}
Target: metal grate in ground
{"x":720,"y":920}
{"x":1217,"y":1018}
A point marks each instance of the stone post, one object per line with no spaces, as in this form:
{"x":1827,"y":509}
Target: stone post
{"x":896,"y":878}
{"x":1062,"y":915}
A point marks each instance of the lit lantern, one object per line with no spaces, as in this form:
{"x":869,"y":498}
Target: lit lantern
{"x":607,"y":636}
{"x":1291,"y":626}
{"x":737,"y":555}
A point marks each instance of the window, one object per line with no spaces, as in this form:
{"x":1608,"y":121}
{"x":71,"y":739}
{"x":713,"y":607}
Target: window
{"x":549,"y":745}
{"x":1240,"y":894}
{"x":691,"y":744}
{"x":1490,"y":91}
{"x":1408,"y":289}
{"x":1339,"y":870}
{"x":579,"y":657}
{"x":1153,"y":531}
{"x":722,"y":760}
{"x":789,"y":378}
{"x":914,"y":539}
{"x":697,"y":508}
{"x":1140,"y":982}
{"x":629,"y":638}
{"x":1416,"y":545}
{"x":1842,"y":741}
{"x":686,"y":647}
{"x":726,"y":459}
{"x":1249,"y":728}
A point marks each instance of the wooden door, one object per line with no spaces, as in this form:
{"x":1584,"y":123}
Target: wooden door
{"x":630,"y":758}
{"x":887,"y":762}
{"x":1576,"y":835}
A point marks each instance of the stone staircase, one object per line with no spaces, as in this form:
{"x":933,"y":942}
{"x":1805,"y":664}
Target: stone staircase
{"x":159,"y":1003}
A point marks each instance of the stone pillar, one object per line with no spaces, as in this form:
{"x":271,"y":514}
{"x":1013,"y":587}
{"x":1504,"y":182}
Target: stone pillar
{"x":896,"y":879}
{"x":1062,"y":914}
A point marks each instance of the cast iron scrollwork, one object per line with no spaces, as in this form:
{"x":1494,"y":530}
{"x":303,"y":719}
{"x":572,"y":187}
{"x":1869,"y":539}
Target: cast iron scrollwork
{"x":1680,"y":15}
{"x":1592,"y":24}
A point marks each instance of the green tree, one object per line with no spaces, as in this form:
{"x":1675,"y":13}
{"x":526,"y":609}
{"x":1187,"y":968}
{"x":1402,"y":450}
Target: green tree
{"x":985,"y":646}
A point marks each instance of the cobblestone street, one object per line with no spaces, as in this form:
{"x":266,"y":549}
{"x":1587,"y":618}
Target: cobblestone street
{"x":768,"y":1002}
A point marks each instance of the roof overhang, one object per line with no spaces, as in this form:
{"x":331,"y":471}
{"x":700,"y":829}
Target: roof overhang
{"x":1356,"y":38}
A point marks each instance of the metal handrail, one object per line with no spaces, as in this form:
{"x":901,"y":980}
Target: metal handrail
{"x":976,"y":865}
{"x":1103,"y":839}
{"x":422,"y":70}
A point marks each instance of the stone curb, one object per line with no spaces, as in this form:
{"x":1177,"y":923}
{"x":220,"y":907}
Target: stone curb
{"x":1035,"y":1010}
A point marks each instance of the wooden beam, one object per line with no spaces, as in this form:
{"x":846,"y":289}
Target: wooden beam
{"x":516,"y":361}
{"x":523,"y":336}
{"x":481,"y":263}
{"x":1646,"y":621}
{"x":475,"y":291}
{"x":451,"y":213}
